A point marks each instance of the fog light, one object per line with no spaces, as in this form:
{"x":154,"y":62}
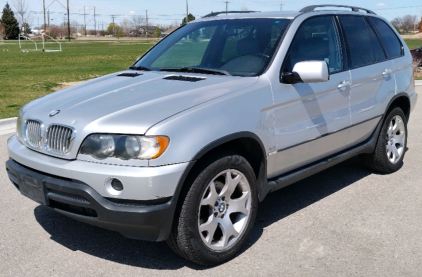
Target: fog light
{"x":114,"y":186}
{"x":117,"y":185}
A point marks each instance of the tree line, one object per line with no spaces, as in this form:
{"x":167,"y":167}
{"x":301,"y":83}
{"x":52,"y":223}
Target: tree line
{"x":407,"y":23}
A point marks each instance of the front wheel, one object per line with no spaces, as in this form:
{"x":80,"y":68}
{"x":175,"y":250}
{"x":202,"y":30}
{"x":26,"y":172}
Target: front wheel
{"x":218,"y":212}
{"x":391,"y":144}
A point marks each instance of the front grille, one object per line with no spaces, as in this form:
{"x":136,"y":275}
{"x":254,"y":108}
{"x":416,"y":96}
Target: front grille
{"x":59,"y":139}
{"x":33,"y":133}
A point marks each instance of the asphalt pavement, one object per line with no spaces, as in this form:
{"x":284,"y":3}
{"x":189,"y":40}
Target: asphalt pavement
{"x":344,"y":221}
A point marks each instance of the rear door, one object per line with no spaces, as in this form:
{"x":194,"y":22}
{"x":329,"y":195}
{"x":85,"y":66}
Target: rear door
{"x":372,"y":77}
{"x":311,"y":120}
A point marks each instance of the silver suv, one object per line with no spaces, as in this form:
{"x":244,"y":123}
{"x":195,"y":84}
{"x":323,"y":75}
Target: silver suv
{"x":184,"y":144}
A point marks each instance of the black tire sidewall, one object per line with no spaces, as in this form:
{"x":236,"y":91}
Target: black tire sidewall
{"x":192,"y":204}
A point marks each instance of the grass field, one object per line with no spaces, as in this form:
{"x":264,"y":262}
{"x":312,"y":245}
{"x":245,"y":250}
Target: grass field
{"x":25,"y":76}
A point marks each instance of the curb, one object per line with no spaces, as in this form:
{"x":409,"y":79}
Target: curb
{"x":8,"y":125}
{"x":418,"y":82}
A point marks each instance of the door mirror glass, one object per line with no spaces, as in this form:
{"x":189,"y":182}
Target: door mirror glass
{"x":308,"y":72}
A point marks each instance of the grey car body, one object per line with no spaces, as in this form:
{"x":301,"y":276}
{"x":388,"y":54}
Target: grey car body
{"x":287,"y":131}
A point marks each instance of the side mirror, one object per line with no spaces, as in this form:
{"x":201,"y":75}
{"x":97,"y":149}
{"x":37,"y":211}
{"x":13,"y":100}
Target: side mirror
{"x":308,"y":72}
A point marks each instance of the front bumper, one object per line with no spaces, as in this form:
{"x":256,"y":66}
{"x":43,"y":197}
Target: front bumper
{"x":75,"y":199}
{"x":140,"y":183}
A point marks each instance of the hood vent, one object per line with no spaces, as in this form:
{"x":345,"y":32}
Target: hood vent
{"x":129,"y":74}
{"x":184,"y":78}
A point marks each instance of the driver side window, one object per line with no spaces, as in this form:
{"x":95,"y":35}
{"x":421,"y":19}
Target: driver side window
{"x":316,"y":39}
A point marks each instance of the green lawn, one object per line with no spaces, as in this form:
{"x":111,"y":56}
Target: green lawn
{"x":413,"y":43}
{"x":25,"y":76}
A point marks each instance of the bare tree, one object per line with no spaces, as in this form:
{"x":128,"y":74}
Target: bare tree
{"x":126,"y":27}
{"x":397,"y":22}
{"x":137,"y":21}
{"x":244,"y":8}
{"x":409,"y":22}
{"x":406,"y":23}
{"x":21,"y":7}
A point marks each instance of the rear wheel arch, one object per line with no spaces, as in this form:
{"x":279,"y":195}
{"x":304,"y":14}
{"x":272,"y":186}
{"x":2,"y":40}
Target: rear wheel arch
{"x":402,"y":101}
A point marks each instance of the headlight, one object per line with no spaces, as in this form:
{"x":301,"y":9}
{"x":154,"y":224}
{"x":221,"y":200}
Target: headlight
{"x":124,"y":147}
{"x":19,"y":130}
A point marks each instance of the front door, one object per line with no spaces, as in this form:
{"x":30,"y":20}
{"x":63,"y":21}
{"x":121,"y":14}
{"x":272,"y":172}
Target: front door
{"x":312,"y":120}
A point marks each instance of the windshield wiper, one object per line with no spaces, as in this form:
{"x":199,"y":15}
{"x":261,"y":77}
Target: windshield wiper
{"x":196,"y":70}
{"x":140,"y":68}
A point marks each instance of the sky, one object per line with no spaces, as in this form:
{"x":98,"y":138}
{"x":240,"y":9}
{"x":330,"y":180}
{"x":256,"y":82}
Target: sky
{"x":169,"y":11}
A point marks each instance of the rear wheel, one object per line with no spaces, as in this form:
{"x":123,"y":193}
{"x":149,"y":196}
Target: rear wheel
{"x":218,"y":212}
{"x":391,"y":145}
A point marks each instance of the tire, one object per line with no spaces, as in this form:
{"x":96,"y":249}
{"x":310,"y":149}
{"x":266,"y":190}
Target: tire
{"x":391,"y":144}
{"x":218,"y":213}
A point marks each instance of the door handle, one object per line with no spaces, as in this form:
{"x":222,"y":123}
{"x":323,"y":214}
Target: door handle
{"x":343,"y":85}
{"x":387,"y":73}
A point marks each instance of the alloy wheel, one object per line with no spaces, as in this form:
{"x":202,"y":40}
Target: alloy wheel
{"x":396,"y":138}
{"x":224,"y":210}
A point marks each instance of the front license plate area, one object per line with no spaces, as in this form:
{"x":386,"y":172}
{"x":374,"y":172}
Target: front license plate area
{"x":33,"y":189}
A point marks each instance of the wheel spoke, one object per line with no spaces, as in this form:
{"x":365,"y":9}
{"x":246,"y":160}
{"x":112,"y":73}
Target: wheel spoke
{"x":228,"y":230}
{"x":390,"y":128}
{"x":212,"y":196}
{"x":396,"y":154}
{"x":230,"y":185}
{"x":210,"y":227}
{"x":399,"y":139}
{"x":400,"y":125}
{"x":389,"y":150}
{"x":239,"y":205}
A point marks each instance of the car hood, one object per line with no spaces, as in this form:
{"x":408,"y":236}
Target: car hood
{"x":130,"y":105}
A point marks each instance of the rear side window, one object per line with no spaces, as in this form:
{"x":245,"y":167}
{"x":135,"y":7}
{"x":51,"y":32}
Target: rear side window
{"x":359,"y":40}
{"x":391,"y":42}
{"x":379,"y":51}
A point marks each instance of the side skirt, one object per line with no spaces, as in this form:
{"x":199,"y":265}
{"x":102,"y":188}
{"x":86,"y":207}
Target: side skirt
{"x":299,"y":174}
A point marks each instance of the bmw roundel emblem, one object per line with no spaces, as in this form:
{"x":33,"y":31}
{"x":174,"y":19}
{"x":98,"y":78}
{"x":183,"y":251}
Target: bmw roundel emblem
{"x":54,"y":113}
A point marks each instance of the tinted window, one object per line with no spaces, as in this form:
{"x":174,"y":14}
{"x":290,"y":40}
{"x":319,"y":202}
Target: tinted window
{"x":359,"y":40}
{"x":316,"y":40}
{"x":391,"y":42}
{"x":379,"y":51}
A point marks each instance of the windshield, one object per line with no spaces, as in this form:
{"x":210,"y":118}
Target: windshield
{"x":241,"y":47}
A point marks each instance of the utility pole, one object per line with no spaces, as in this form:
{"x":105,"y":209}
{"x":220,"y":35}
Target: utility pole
{"x":48,"y":12}
{"x":147,"y":29}
{"x":281,"y":7}
{"x":227,"y":6}
{"x":187,"y":12}
{"x":68,"y":20}
{"x":95,"y":24}
{"x":84,"y":21}
{"x":114,"y":30}
{"x":43,"y":4}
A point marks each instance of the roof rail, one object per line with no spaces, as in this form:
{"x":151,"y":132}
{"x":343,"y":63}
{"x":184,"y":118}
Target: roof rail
{"x":217,"y":13}
{"x":355,"y":9}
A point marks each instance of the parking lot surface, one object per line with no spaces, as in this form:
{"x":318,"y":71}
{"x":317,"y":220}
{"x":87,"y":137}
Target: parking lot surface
{"x":344,"y":221}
